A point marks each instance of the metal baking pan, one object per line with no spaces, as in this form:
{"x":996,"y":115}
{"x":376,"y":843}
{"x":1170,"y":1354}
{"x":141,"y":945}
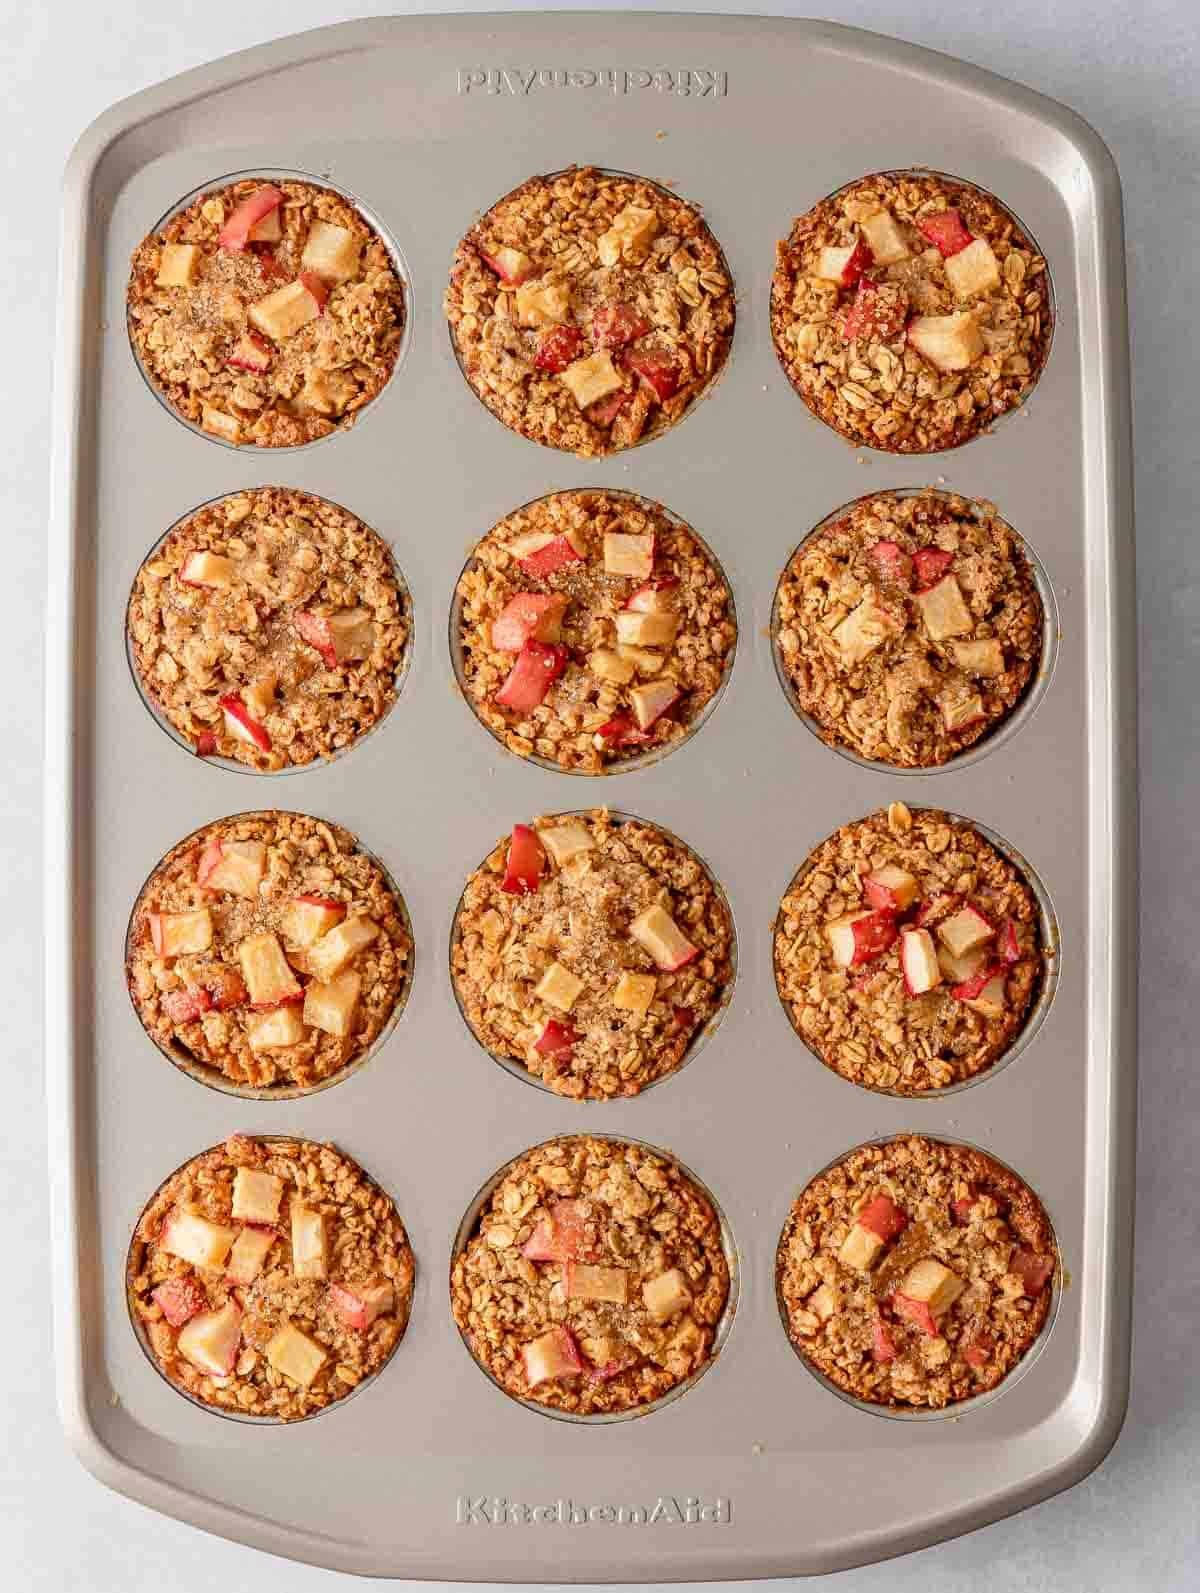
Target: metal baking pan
{"x":758,"y":1470}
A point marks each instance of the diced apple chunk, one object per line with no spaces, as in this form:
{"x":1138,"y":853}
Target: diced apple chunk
{"x":234,"y":866}
{"x":295,"y":1356}
{"x":196,"y":1240}
{"x":863,"y":630}
{"x":352,"y":632}
{"x":543,"y":303}
{"x":948,"y":342}
{"x":510,"y":265}
{"x":964,"y":930}
{"x":529,"y":616}
{"x":825,"y":1301}
{"x":607,"y":664}
{"x":933,"y":1285}
{"x":177,"y":934}
{"x":958,"y":969}
{"x":206,"y":569}
{"x":336,"y":948}
{"x":883,"y":1217}
{"x":918,"y":962}
{"x":626,"y":554}
{"x":651,"y":701}
{"x":271,"y":1031}
{"x":565,"y":841}
{"x":210,"y":1340}
{"x":309,"y":1243}
{"x":662,"y":937}
{"x":646,"y":630}
{"x":891,"y":888}
{"x":629,"y":237}
{"x":973,"y":270}
{"x":644,"y":659}
{"x":332,"y":252}
{"x":944,"y":610}
{"x":269,"y":978}
{"x":585,"y":1282}
{"x":284,"y":312}
{"x":634,"y":992}
{"x":991,"y":1002}
{"x":307,"y":918}
{"x":961,"y":710}
{"x":331,"y":1007}
{"x":256,"y":1195}
{"x":592,"y":378}
{"x":666,"y":1295}
{"x":831,"y":263}
{"x":859,"y":937}
{"x":985,"y":659}
{"x":177,"y":265}
{"x":554,"y":1354}
{"x":558,"y":987}
{"x":179,"y":1298}
{"x":221,"y":424}
{"x":250,"y":1250}
{"x":860,"y":1248}
{"x":884,"y":238}
{"x":358,"y":1307}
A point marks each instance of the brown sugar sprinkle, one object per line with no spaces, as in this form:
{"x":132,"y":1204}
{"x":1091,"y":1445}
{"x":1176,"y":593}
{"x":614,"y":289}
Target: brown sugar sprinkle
{"x":910,"y":311}
{"x":270,"y":1277}
{"x":287,"y":604}
{"x":925,"y":887}
{"x":281,"y":950}
{"x":592,"y":951}
{"x":915,"y":1273}
{"x":594,"y":1280}
{"x":910,"y":627}
{"x":612,"y":701}
{"x":590,"y":309}
{"x":207,"y":322}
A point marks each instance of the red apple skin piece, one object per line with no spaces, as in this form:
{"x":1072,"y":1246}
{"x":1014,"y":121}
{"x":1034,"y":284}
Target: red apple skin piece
{"x":883,"y":1218}
{"x":526,"y":860}
{"x":314,"y":629}
{"x":614,"y":325}
{"x":610,"y":1369}
{"x":553,"y":556}
{"x":888,"y":897}
{"x":622,"y":732}
{"x":349,"y":1307}
{"x":645,"y":599}
{"x":865,"y":316}
{"x":979,"y":1351}
{"x":917,"y":1312}
{"x":1007,"y":943}
{"x":530,"y":616}
{"x":657,"y":370}
{"x":861,"y":260}
{"x":252,"y":352}
{"x":555,"y":1038}
{"x":179,"y":1299}
{"x":316,"y":287}
{"x":882,"y":1348}
{"x":513,"y":278}
{"x":535,"y":671}
{"x":970,"y":989}
{"x":235,"y":234}
{"x":206,"y":744}
{"x":562,"y":1236}
{"x":929,"y":565}
{"x":1033,"y":1270}
{"x":210,"y":857}
{"x":567,"y":1350}
{"x":223,"y":986}
{"x":558,"y":348}
{"x":605,"y":410}
{"x":684,"y":1017}
{"x":663,"y":705}
{"x":946,"y":231}
{"x":873,"y":935}
{"x":892,"y":563}
{"x":270,"y":266}
{"x":236,"y":709}
{"x":185,"y":1006}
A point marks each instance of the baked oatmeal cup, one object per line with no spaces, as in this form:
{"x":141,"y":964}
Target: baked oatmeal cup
{"x":590,"y":309}
{"x":594,"y":1280}
{"x":592,"y":627}
{"x":915,"y":1273}
{"x":268,"y":952}
{"x":270,"y":1277}
{"x":909,"y":951}
{"x":269,"y":627}
{"x":908,"y":626}
{"x":910,"y":310}
{"x":266,"y":311}
{"x":591,"y":949}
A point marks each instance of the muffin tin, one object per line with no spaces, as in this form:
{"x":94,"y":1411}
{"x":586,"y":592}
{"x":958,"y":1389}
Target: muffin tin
{"x":758,"y":1470}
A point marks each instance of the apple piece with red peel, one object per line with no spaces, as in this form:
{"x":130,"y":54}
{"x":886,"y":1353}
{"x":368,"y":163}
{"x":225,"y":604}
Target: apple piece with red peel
{"x":860,"y":937}
{"x":831,"y":262}
{"x":890,"y":888}
{"x":893,"y":563}
{"x":223,"y":986}
{"x":269,"y":979}
{"x":985,"y":658}
{"x":330,"y":252}
{"x":858,"y":262}
{"x":241,"y":723}
{"x":637,"y":629}
{"x":943,"y":609}
{"x":553,"y":1355}
{"x":565,"y":841}
{"x":359,"y":1307}
{"x":961,"y":711}
{"x":863,"y":630}
{"x":884,"y":238}
{"x":1007,"y":942}
{"x":932,"y":1284}
{"x":310,"y":1253}
{"x":684,"y":1017}
{"x":917,"y":1312}
{"x":929,"y":565}
{"x":314,"y":629}
{"x":860,"y":1249}
{"x":945,"y":229}
{"x":525,"y":862}
{"x":295,"y":1356}
{"x":210,"y":1340}
{"x":653,"y":700}
{"x":235,"y":235}
{"x":559,"y":987}
{"x":256,"y":1196}
{"x":332,"y":1007}
{"x":666,"y":1295}
{"x":540,"y":553}
{"x":250,"y":1251}
{"x":207,"y":569}
{"x":871,"y":317}
{"x":652,"y":598}
{"x":530,"y":616}
{"x":614,"y":325}
{"x":606,"y":410}
{"x":882,"y":1347}
{"x":558,"y":348}
{"x":555,"y":1038}
{"x":656,"y":931}
{"x":628,"y":554}
{"x":276,"y":1030}
{"x":619,"y":731}
{"x":992,"y":1000}
{"x":1033,"y":1270}
{"x":592,"y":378}
{"x":177,"y":265}
{"x":979,"y":1351}
{"x":935,"y":907}
{"x":959,"y":969}
{"x":340,"y":945}
{"x":234,"y":866}
{"x":883,"y":1218}
{"x":178,"y":934}
{"x":251,"y":352}
{"x":973,"y":270}
{"x":584,"y":1282}
{"x":510,"y":265}
{"x":918,"y":962}
{"x":196,"y":1240}
{"x":657,"y":370}
{"x":972,"y":988}
{"x":948,"y":342}
{"x":964,"y":930}
{"x":307,"y":918}
{"x":185,"y":1006}
{"x":537,"y":667}
{"x":179,"y":1299}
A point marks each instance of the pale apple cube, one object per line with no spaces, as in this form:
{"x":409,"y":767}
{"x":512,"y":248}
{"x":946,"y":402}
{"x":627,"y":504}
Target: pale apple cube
{"x":948,"y":342}
{"x":250,"y":1250}
{"x":637,"y":225}
{"x":964,"y":930}
{"x":284,"y":312}
{"x":344,"y":941}
{"x":220,"y":424}
{"x":825,"y":1301}
{"x":959,"y":969}
{"x":985,"y":659}
{"x":666,"y":1295}
{"x":295,"y":1356}
{"x":265,"y":969}
{"x":565,"y":841}
{"x":884,"y":238}
{"x":332,"y":252}
{"x":607,"y":664}
{"x":962,"y":710}
{"x":651,"y":701}
{"x":634,"y":992}
{"x":207,"y":569}
{"x":543,"y":303}
{"x":891,"y":887}
{"x":645,"y":630}
{"x":973,"y":270}
{"x":352,"y":633}
{"x":933,"y":1284}
{"x":860,"y":1249}
{"x":272,"y":1031}
{"x":256,"y":1195}
{"x":626,"y":554}
{"x":196,"y":1240}
{"x":332,"y":1007}
{"x":644,"y":659}
{"x":558,"y":987}
{"x":597,"y":1283}
{"x":991,"y":1001}
{"x":177,"y":265}
{"x":918,"y":962}
{"x":830,"y":263}
{"x":210,"y":1340}
{"x":240,"y":868}
{"x":309,"y":1243}
{"x":863,"y":630}
{"x":656,"y":931}
{"x":304,"y":922}
{"x":178,"y":934}
{"x":592,"y":378}
{"x":944,"y":610}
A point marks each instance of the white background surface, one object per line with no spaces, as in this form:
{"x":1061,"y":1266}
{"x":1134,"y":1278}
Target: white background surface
{"x":1133,"y":72}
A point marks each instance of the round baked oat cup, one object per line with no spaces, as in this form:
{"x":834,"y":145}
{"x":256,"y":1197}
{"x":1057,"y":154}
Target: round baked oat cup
{"x":916,"y":952}
{"x":918,"y":1278}
{"x":590,"y":309}
{"x":269,"y":1278}
{"x":914,"y":628}
{"x":910,"y":310}
{"x":268,"y":309}
{"x":592,"y":954}
{"x":594,"y":1279}
{"x":269,"y":955}
{"x":592,"y":631}
{"x":268,"y":629}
